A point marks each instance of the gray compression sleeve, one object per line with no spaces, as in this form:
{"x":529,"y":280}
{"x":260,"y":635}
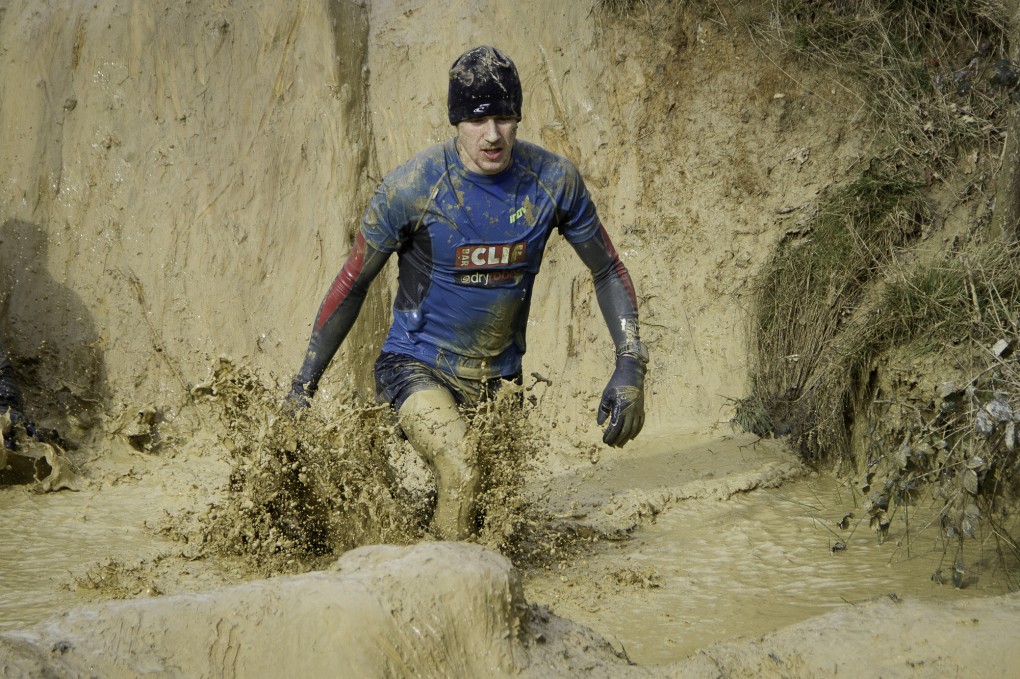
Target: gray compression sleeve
{"x":613,"y":287}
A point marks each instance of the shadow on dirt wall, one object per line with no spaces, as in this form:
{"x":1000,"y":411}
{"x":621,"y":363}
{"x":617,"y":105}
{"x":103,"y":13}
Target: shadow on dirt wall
{"x":51,"y":335}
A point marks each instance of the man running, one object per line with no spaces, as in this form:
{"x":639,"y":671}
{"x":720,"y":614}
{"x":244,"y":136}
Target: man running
{"x":469,"y":220}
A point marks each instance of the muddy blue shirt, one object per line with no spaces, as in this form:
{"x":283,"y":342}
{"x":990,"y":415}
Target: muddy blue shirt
{"x":469,"y":247}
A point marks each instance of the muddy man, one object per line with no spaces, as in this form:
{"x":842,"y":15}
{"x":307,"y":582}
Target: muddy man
{"x":469,"y":220}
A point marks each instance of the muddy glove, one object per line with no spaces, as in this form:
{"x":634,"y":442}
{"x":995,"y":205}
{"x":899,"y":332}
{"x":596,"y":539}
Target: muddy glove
{"x":10,"y":442}
{"x":12,"y":404}
{"x":623,"y":400}
{"x":299,"y":398}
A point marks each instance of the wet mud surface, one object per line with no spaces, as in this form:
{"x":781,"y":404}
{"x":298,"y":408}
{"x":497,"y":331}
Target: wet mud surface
{"x":676,"y":543}
{"x":166,"y":203}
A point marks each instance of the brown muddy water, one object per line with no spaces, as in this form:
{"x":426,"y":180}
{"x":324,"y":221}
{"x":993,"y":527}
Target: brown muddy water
{"x":719,"y":539}
{"x":710,"y":570}
{"x":721,"y":555}
{"x":65,"y":548}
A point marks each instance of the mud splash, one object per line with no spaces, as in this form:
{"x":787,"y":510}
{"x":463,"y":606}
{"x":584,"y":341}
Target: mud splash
{"x":306,"y":487}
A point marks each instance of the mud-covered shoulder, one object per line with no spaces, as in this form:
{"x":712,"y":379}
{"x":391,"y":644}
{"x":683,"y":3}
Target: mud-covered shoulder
{"x":402,"y":197}
{"x":576,"y":215}
{"x":558,"y":175}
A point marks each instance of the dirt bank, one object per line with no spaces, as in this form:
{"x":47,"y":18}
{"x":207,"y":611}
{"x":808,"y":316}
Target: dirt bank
{"x":184,"y":188}
{"x":182,"y":181}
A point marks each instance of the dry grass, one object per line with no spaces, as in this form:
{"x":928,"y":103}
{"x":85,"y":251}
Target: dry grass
{"x":915,"y":394}
{"x":953,"y":440}
{"x":931,"y":73}
{"x":616,"y":8}
{"x":807,"y":293}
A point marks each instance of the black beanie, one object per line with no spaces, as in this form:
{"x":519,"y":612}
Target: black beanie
{"x":484,"y":82}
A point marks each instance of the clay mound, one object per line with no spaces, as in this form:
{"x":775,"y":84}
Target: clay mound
{"x":430,"y":610}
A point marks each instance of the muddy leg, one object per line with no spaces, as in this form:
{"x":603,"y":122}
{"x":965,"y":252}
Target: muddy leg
{"x":436,"y":429}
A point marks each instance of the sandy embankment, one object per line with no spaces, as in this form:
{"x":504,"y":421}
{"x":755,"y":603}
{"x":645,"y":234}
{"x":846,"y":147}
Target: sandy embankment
{"x":182,"y":181}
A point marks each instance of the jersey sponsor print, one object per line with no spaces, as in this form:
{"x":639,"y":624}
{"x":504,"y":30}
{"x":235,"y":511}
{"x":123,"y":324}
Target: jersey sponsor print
{"x":489,"y":265}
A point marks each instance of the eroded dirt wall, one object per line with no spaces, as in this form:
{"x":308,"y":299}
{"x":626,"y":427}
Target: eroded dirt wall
{"x":180,"y":181}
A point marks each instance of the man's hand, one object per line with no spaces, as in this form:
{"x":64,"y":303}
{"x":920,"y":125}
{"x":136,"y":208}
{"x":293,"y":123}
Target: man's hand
{"x":11,"y":403}
{"x":299,"y":398}
{"x":10,"y":417}
{"x":623,"y":401}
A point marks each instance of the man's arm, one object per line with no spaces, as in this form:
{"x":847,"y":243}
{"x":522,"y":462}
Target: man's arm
{"x":336,"y":316}
{"x":623,"y":398}
{"x":613,"y":287}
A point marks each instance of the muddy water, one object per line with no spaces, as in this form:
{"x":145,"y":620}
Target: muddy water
{"x":47,"y":537}
{"x":765,"y":560}
{"x":715,"y":563}
{"x":61,"y":549}
{"x":708,"y":569}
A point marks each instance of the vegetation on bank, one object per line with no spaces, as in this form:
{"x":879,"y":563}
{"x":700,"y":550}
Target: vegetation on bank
{"x":872,"y":348}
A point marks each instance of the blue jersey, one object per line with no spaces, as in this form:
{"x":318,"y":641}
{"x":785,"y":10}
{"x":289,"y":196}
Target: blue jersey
{"x":469,"y":247}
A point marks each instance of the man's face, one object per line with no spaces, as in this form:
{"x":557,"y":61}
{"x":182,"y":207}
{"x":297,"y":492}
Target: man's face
{"x":485,"y":144}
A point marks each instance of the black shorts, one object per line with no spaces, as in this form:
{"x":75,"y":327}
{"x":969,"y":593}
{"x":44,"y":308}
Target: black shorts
{"x":398,"y":376}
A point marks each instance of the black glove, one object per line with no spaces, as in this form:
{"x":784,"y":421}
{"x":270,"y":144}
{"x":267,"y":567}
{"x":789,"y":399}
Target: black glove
{"x":16,"y":418}
{"x":623,"y":401}
{"x":300,"y":396}
{"x":11,"y":402}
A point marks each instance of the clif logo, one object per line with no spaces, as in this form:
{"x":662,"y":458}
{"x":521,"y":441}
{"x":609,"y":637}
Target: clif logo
{"x":489,"y":256}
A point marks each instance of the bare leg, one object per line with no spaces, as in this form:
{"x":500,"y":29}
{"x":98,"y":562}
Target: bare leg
{"x":437,"y":430}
